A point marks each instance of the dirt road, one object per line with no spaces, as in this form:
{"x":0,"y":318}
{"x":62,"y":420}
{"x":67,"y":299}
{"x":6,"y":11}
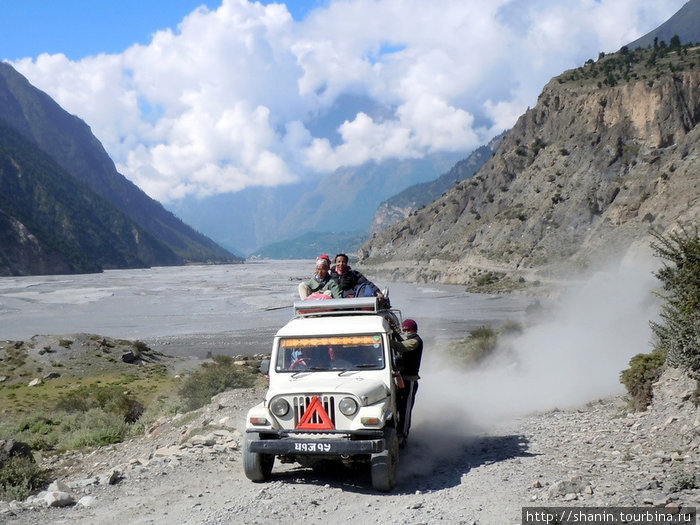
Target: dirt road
{"x":188,"y":470}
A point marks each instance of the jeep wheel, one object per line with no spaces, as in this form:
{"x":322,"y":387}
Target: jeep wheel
{"x":257,"y":467}
{"x":384,"y":464}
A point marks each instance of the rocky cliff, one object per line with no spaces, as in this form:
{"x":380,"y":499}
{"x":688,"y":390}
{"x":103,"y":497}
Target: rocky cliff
{"x":610,"y":150}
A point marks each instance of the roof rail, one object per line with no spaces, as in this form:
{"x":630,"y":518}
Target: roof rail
{"x":357,"y":305}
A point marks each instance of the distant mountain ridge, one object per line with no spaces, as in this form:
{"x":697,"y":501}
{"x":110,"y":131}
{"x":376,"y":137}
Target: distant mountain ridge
{"x":345,"y":201}
{"x":419,"y":195}
{"x":312,"y":244}
{"x":153,"y":235}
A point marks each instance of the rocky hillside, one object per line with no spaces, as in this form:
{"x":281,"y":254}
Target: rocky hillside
{"x":414,"y":197}
{"x":44,"y":147}
{"x":611,"y":150}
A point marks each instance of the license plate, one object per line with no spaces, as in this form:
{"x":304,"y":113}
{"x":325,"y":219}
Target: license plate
{"x":313,"y":447}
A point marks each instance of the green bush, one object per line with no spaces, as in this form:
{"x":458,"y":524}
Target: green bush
{"x":93,"y":428}
{"x":213,"y":378}
{"x":678,"y":331}
{"x":69,"y":430}
{"x":481,"y":343}
{"x":162,"y":407}
{"x":20,"y":476}
{"x":65,"y":430}
{"x":638,"y":379}
{"x":87,"y":416}
{"x":112,"y":399}
{"x":475,"y":348}
{"x":682,"y":479}
{"x":140,"y":348}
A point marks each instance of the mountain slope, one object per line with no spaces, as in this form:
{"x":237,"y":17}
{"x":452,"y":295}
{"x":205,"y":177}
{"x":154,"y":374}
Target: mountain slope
{"x":684,"y":24}
{"x":610,"y":150}
{"x":52,"y":223}
{"x":71,"y":144}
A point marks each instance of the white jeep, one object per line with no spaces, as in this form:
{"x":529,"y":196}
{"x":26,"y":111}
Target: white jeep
{"x":332,"y":392}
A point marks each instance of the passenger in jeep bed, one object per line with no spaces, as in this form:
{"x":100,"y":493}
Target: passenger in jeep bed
{"x":352,"y":283}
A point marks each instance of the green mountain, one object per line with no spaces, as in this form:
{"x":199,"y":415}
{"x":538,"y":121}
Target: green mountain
{"x":53,"y":223}
{"x":68,"y":142}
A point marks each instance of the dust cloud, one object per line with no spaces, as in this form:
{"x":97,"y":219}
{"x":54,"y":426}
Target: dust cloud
{"x":573,"y":353}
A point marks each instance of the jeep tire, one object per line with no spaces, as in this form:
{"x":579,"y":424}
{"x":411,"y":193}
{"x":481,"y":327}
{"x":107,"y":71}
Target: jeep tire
{"x":257,"y":467}
{"x":384,"y":464}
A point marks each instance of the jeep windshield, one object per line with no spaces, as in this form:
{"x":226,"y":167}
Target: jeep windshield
{"x":323,"y":353}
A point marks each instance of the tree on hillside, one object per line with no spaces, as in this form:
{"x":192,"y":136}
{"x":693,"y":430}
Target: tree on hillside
{"x":676,"y":43}
{"x":678,"y":330}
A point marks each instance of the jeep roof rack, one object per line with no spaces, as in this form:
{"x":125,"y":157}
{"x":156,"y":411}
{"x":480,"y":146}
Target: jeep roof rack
{"x":357,"y":305}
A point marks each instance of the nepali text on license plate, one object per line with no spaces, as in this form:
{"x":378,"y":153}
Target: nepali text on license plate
{"x":312,"y":447}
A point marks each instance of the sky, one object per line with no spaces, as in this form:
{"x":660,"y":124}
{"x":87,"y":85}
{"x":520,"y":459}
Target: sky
{"x":198,"y":98}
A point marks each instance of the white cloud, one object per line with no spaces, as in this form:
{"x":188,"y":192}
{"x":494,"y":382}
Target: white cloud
{"x":221,"y":102}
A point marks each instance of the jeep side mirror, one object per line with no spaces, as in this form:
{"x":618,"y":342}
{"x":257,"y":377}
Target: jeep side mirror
{"x":265,"y":366}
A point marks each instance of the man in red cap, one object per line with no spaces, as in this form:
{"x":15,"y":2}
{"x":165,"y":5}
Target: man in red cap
{"x":411,"y":350}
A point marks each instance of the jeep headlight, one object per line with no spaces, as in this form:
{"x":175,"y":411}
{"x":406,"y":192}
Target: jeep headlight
{"x":347,"y":406}
{"x":279,"y":407}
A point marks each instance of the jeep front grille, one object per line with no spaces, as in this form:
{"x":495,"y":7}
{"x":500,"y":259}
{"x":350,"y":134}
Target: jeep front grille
{"x":301,"y":403}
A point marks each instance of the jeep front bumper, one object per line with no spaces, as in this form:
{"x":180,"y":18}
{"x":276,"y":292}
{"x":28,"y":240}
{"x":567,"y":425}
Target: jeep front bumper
{"x":280,"y":442}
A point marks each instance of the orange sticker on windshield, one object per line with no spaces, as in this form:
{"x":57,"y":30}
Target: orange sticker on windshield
{"x":336,"y":340}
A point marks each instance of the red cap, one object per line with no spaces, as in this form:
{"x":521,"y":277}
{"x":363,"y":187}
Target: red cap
{"x":409,"y":325}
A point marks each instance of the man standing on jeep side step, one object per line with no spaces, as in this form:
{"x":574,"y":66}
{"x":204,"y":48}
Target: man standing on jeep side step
{"x":411,"y":350}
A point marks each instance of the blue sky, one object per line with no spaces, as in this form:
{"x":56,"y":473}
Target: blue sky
{"x":79,"y":28}
{"x":200,"y":102}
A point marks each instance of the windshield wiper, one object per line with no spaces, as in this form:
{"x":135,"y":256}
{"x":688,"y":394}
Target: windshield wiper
{"x":311,"y":369}
{"x":357,"y":368}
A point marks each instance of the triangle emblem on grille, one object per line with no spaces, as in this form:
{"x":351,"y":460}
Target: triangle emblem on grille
{"x":322,"y":421}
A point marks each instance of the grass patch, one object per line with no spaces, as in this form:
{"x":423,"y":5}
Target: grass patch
{"x":95,"y":399}
{"x":13,"y":355}
{"x":682,"y":479}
